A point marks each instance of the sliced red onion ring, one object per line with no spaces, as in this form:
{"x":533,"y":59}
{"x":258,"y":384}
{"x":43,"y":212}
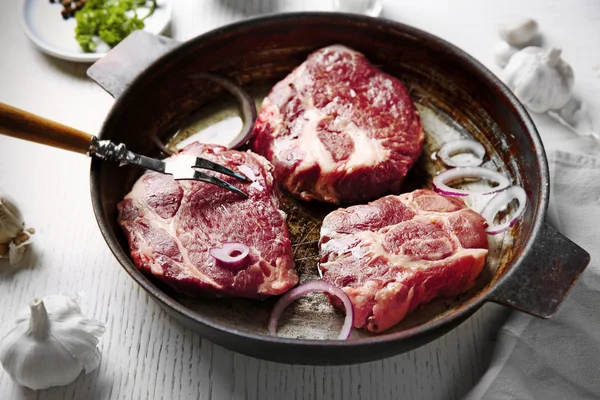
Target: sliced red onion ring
{"x":310,"y":287}
{"x":449,"y":150}
{"x":439,"y":182}
{"x":246,"y":102}
{"x":498,"y":202}
{"x":227,"y":254}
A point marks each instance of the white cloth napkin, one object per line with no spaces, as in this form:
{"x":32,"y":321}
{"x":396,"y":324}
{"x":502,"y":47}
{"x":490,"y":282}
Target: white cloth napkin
{"x":557,"y":358}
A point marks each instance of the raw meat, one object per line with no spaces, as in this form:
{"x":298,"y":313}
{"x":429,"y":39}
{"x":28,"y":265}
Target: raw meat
{"x":171,"y":225}
{"x":398,"y":252}
{"x":337,"y":129}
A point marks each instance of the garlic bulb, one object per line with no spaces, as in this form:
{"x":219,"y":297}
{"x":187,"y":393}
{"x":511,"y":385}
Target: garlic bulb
{"x":503,"y":52}
{"x":13,"y":237}
{"x":539,"y":78}
{"x":51,"y":344}
{"x":519,"y":34}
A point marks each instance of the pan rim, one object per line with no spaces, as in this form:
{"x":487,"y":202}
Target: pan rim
{"x":469,"y":308}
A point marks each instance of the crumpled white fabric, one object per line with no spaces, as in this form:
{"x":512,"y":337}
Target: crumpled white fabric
{"x":557,"y":358}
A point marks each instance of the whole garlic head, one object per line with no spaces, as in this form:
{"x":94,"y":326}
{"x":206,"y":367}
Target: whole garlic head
{"x":539,"y":78}
{"x":51,"y":344}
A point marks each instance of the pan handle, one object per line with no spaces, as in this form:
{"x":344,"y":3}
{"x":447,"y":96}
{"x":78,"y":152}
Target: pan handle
{"x":122,"y":64}
{"x":549,"y":272}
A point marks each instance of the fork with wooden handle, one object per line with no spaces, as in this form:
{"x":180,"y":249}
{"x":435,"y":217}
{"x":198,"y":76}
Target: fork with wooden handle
{"x":24,"y":125}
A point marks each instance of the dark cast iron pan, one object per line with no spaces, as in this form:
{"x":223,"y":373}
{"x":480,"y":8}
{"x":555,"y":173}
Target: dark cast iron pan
{"x":531,"y":269}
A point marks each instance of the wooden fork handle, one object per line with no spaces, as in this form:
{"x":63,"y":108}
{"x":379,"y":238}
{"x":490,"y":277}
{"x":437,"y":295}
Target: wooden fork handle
{"x":23,"y":125}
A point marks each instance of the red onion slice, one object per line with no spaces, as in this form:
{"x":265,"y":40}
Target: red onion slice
{"x":245,"y":101}
{"x":439,"y":182}
{"x":231,"y":254}
{"x":449,"y":149}
{"x":310,"y":287}
{"x":500,"y":201}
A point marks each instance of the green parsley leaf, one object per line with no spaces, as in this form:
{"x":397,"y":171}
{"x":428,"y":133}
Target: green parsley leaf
{"x":110,"y":20}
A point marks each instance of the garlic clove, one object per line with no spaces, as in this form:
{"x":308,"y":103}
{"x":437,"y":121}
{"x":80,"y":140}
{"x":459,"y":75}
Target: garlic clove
{"x":503,"y":52}
{"x":17,"y":247}
{"x":576,"y":115}
{"x":51,"y":344}
{"x":13,"y":238}
{"x":539,"y":78}
{"x":520,"y":33}
{"x":11,"y":223}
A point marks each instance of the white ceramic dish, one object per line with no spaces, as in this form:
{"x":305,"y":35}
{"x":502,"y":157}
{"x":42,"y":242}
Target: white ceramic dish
{"x":46,"y":28}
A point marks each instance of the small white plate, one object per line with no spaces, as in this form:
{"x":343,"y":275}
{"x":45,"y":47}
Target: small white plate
{"x":46,"y":28}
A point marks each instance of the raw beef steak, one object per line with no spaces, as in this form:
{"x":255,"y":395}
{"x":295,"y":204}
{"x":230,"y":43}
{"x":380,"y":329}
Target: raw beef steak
{"x":338,"y":129}
{"x":397,"y":252}
{"x":171,"y":225}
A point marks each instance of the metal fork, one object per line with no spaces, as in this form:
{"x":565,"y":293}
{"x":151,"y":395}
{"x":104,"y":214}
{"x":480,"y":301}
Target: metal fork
{"x":23,"y":125}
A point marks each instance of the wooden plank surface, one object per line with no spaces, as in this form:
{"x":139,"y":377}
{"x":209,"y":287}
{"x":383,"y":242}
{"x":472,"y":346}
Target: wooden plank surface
{"x":146,"y":355}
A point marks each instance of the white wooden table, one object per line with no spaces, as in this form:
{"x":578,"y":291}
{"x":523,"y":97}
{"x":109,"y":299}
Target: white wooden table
{"x":146,"y":355}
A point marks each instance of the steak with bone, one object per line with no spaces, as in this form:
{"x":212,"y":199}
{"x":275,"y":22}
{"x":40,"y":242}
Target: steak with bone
{"x":398,"y":252}
{"x":171,"y":226}
{"x":338,"y":129}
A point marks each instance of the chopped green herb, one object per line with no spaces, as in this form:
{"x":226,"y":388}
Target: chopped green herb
{"x":110,"y":20}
